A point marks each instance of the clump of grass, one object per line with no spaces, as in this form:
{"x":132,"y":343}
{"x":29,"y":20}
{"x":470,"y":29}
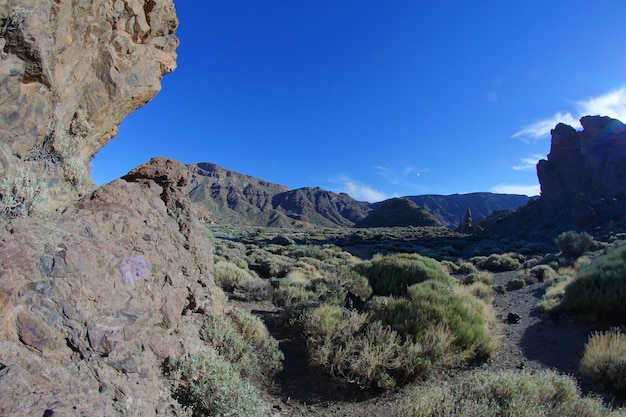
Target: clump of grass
{"x":604,"y":359}
{"x":208,"y":385}
{"x":517,"y":283}
{"x":485,"y":277}
{"x":508,"y":394}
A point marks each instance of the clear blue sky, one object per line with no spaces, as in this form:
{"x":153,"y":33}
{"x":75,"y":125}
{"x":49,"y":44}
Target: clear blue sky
{"x":379,"y":98}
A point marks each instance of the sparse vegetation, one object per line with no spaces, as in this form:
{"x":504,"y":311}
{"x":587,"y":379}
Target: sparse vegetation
{"x":19,"y":196}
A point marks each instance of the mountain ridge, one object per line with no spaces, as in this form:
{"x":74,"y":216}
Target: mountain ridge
{"x":242,"y":199}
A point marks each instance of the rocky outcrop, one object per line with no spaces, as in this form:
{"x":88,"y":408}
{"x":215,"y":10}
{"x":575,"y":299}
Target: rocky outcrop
{"x":70,"y":72}
{"x":584,"y":176}
{"x":583,"y":183}
{"x":94,"y":301}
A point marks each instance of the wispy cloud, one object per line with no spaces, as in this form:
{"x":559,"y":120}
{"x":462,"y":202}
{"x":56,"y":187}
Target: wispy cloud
{"x":612,"y":104}
{"x":529,"y":190}
{"x":529,"y":163}
{"x":405,"y":176}
{"x":359,"y":191}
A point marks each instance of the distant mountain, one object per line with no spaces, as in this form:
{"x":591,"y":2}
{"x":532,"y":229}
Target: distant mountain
{"x":450,"y":209}
{"x":398,"y":212}
{"x":234,"y":198}
{"x":240,"y":199}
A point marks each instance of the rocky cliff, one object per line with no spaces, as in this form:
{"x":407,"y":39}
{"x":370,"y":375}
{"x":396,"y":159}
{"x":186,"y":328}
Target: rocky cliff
{"x":70,"y":72}
{"x":97,"y":288}
{"x":583,"y":182}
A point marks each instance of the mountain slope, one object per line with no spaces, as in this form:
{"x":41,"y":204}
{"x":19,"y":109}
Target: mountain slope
{"x":449,"y":209}
{"x":234,"y":198}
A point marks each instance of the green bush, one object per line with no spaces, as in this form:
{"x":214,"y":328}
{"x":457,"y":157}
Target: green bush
{"x":508,"y":394}
{"x":543,"y":273}
{"x":359,"y":353}
{"x":604,"y":359}
{"x":517,"y":283}
{"x":228,"y":275}
{"x":208,"y":384}
{"x":496,"y":262}
{"x":392,"y":275}
{"x":573,"y":244}
{"x":483,"y":276}
{"x":242,"y":339}
{"x":471,"y":323}
{"x":598,"y":291}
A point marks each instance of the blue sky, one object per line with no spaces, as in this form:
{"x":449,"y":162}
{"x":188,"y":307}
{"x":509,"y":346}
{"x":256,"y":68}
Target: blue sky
{"x":379,"y":99}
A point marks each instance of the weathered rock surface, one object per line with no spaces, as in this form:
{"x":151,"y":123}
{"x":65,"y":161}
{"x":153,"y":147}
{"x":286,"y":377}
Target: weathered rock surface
{"x":93,"y":302}
{"x":70,"y":71}
{"x":583,"y":182}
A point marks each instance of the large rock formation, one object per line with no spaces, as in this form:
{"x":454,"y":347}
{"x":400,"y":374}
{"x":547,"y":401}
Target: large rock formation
{"x":95,"y":292}
{"x":70,"y":72}
{"x":584,"y":176}
{"x":583,"y":183}
{"x":93,"y":302}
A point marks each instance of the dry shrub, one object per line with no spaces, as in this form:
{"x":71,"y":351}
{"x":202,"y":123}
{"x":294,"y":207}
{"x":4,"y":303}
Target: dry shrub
{"x":508,"y":394}
{"x":604,"y":359}
{"x":228,"y":275}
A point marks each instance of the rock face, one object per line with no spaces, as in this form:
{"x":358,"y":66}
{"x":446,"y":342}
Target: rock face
{"x":399,"y":212}
{"x":583,"y":183}
{"x":70,"y":72}
{"x":585,"y":173}
{"x":94,"y":301}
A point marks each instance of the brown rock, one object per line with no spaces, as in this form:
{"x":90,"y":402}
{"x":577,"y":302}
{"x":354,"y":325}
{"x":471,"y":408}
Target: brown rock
{"x":71,"y":71}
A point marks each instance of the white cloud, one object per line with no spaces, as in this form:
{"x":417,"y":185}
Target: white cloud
{"x":612,"y":104}
{"x":540,"y":129}
{"x":528,"y":163}
{"x":359,"y":191}
{"x":529,"y":190}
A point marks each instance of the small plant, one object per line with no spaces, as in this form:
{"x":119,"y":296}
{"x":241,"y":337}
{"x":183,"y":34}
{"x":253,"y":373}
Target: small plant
{"x":228,"y":275}
{"x":604,"y":359}
{"x":543,"y":273}
{"x":208,"y":384}
{"x":573,"y":244}
{"x":14,"y":20}
{"x":517,"y":283}
{"x":497,"y":263}
{"x":19,"y":196}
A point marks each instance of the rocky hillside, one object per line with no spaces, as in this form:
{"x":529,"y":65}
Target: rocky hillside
{"x":583,"y":182}
{"x":398,"y":212}
{"x":234,"y":198}
{"x":97,"y":287}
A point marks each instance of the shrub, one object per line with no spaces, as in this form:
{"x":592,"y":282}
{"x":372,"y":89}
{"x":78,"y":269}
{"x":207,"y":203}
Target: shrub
{"x":604,"y":359}
{"x":497,"y":263}
{"x":359,"y":353}
{"x":210,"y":386}
{"x":599,"y":290}
{"x":228,"y":275}
{"x":543,"y":273}
{"x":485,"y":277}
{"x":253,"y":289}
{"x":392,"y":275}
{"x":243,"y":340}
{"x":471,"y":322}
{"x":466,"y":268}
{"x":517,"y":283}
{"x":508,"y":394}
{"x":573,"y":244}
